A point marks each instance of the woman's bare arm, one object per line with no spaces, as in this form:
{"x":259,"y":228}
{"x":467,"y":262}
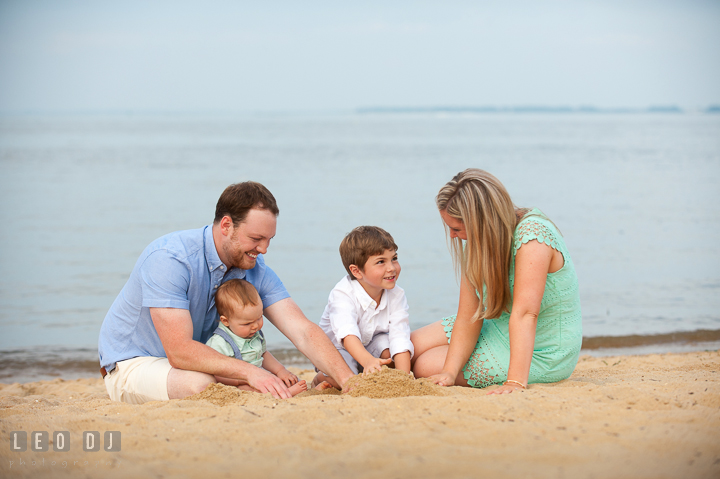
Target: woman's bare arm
{"x":532,"y":263}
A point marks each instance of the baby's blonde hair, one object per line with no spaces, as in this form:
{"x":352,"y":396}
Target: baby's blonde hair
{"x":234,"y":293}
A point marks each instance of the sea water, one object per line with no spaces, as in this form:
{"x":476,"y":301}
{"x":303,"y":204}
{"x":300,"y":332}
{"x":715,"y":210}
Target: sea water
{"x":634,"y":195}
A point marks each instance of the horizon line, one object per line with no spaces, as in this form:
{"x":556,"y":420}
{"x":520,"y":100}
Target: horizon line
{"x":448,"y":109}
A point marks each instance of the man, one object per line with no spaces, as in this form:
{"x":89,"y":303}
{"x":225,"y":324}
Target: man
{"x":152,"y":341}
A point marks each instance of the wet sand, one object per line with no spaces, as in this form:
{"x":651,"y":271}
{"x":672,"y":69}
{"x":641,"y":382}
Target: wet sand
{"x":651,"y":416}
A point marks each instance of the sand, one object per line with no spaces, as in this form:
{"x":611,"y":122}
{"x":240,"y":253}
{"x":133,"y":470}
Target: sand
{"x":654,"y":416}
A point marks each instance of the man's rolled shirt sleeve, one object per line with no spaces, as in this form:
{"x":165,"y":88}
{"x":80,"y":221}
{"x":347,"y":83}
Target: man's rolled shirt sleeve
{"x":165,"y":281}
{"x":270,"y":288}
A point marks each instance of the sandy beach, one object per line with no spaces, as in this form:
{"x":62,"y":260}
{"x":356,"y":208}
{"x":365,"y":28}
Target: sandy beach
{"x":652,"y":416}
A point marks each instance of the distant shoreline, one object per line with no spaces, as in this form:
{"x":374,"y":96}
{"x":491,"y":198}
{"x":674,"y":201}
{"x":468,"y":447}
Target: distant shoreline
{"x":665,"y":109}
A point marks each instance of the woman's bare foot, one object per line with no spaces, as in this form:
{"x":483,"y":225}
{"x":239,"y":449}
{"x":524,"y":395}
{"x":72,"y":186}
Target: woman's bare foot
{"x":298,"y":387}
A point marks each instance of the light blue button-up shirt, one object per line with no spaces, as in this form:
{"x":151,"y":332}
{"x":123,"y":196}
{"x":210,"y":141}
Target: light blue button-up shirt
{"x":180,"y":270}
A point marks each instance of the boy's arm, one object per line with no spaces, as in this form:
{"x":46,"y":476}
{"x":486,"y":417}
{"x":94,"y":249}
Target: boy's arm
{"x":402,"y":361}
{"x":271,"y":364}
{"x":356,"y":349}
{"x":401,"y":348}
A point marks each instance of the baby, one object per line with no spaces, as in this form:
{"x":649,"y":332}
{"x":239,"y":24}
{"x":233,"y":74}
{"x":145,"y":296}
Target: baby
{"x":239,"y":334}
{"x":366,"y":317}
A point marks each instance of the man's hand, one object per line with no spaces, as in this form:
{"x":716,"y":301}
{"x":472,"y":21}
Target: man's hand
{"x":287,"y":377}
{"x":266,"y":382}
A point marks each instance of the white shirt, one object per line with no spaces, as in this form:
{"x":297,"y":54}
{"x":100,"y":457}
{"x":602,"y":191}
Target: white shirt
{"x":351,"y":311}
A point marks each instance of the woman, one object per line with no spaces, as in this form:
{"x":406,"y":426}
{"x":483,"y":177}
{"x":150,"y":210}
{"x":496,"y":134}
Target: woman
{"x":518,"y":318}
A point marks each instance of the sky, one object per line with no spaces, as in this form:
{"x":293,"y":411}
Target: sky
{"x":238,"y":56}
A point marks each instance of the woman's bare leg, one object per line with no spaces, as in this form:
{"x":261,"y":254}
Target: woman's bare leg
{"x":432,"y":361}
{"x":426,"y":338}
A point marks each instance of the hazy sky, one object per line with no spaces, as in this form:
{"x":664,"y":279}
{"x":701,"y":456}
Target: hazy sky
{"x":258,"y":56}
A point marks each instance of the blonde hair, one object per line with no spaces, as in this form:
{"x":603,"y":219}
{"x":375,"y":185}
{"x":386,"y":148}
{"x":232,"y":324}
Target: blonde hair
{"x":234,"y":293}
{"x":482,"y":203}
{"x":363,"y":242}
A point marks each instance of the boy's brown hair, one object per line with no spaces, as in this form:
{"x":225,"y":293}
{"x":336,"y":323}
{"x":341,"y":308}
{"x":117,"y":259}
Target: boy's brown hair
{"x":363,"y":242}
{"x":234,"y":293}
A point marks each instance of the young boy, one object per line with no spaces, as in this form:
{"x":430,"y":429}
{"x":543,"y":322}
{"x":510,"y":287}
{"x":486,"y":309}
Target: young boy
{"x":366,"y":317}
{"x":239,"y":334}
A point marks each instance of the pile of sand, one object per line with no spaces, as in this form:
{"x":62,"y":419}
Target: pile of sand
{"x":391,"y":383}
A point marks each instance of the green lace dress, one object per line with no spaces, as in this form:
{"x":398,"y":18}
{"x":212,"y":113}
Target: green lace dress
{"x":559,"y":328}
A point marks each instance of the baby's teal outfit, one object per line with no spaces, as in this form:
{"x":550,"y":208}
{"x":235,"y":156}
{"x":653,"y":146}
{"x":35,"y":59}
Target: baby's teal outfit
{"x":559,"y":327}
{"x":251,"y":349}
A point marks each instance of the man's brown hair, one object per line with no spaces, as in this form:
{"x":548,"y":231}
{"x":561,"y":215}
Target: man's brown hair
{"x":234,"y":293}
{"x":238,"y":199}
{"x":363,"y":242}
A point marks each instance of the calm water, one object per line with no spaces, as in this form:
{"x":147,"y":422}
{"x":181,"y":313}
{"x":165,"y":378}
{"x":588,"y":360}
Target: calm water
{"x":635,"y":196}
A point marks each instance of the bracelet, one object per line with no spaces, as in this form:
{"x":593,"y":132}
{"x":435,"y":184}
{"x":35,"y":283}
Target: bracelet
{"x":515,"y":382}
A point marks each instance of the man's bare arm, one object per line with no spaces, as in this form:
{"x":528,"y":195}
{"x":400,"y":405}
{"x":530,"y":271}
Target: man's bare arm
{"x":174,"y":326}
{"x":309,"y":339}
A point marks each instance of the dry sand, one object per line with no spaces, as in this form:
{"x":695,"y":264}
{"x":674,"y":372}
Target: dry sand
{"x":654,"y":416}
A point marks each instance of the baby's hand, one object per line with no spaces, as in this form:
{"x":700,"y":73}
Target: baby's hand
{"x":287,"y":377}
{"x":375,"y":365}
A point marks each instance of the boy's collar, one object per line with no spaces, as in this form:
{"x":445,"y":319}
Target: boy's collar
{"x":365,"y":300}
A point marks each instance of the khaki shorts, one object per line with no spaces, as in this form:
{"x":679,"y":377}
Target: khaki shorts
{"x":139,"y":380}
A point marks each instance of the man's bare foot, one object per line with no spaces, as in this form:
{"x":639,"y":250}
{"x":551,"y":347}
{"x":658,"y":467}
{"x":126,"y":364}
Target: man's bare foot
{"x":298,"y":387}
{"x":321,"y":378}
{"x":323,"y":385}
